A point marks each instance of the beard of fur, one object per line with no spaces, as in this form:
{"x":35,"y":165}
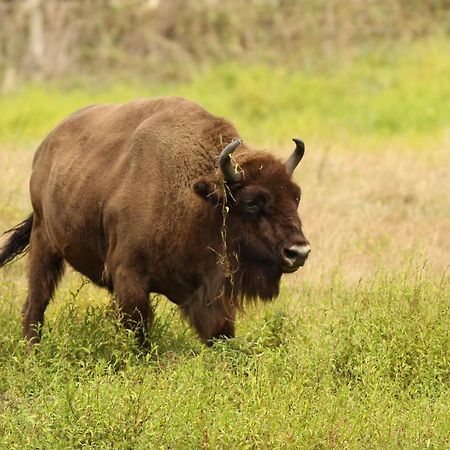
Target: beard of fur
{"x":251,"y":280}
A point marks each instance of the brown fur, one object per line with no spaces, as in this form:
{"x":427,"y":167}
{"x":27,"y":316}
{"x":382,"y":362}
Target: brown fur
{"x":130,"y":196}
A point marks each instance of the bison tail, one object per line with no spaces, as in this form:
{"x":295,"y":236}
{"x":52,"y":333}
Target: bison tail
{"x":17,"y":240}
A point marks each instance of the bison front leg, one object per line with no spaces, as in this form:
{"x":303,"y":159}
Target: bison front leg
{"x":44,"y":272}
{"x":214,"y":320}
{"x":131,"y":293}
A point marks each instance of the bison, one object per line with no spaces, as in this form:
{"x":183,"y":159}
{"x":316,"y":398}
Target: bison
{"x":158,"y":195}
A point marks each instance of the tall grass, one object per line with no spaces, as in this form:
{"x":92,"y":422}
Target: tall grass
{"x":367,"y":367}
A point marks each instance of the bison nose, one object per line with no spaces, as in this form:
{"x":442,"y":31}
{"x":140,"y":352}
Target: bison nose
{"x":294,"y":256}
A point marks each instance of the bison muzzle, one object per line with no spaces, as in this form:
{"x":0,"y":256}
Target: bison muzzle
{"x":158,"y":195}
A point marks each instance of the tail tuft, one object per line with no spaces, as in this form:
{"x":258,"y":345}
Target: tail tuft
{"x":17,"y":242}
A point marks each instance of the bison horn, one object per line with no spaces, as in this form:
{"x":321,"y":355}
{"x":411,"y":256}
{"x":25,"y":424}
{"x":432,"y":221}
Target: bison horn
{"x":297,"y":155}
{"x":228,"y":171}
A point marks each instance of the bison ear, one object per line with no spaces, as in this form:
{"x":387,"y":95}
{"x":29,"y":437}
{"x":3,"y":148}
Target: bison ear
{"x":208,"y":191}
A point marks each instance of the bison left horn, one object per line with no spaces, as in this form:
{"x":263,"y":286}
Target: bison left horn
{"x":228,"y":171}
{"x":296,"y":157}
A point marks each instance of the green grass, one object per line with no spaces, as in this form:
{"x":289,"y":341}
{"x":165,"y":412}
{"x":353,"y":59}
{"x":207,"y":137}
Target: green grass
{"x":364,"y":366}
{"x":400,"y":93}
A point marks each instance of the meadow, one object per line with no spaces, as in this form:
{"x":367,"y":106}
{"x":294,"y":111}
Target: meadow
{"x":355,"y":353}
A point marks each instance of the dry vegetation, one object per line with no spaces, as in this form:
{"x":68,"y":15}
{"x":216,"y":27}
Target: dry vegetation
{"x":369,"y":212}
{"x":363,"y":212}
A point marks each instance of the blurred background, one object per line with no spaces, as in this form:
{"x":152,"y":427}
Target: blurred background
{"x":365,"y":83}
{"x":171,"y":39}
{"x":357,"y":67}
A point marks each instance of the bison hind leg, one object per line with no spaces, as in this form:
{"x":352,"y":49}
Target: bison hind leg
{"x":44,"y":272}
{"x":131,"y":294}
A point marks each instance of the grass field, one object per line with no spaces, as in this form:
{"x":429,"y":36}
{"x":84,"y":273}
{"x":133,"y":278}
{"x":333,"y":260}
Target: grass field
{"x":389,"y":95}
{"x":355,"y":353}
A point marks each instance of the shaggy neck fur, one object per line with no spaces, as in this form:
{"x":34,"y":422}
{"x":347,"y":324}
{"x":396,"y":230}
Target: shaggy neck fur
{"x":250,"y":280}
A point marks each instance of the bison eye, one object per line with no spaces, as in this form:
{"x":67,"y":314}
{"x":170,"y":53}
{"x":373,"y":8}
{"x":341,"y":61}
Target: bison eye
{"x":252,"y":206}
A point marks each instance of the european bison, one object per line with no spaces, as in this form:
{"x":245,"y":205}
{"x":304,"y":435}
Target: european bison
{"x":158,"y":195}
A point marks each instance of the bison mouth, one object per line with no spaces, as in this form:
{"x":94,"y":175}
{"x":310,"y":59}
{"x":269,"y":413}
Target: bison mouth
{"x":291,"y":268}
{"x":258,"y":273}
{"x":286,"y":269}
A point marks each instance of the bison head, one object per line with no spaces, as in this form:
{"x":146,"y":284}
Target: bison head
{"x":262,"y":229}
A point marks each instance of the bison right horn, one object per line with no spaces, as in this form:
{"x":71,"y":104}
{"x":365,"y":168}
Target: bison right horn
{"x":297,"y":155}
{"x":226,"y":167}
